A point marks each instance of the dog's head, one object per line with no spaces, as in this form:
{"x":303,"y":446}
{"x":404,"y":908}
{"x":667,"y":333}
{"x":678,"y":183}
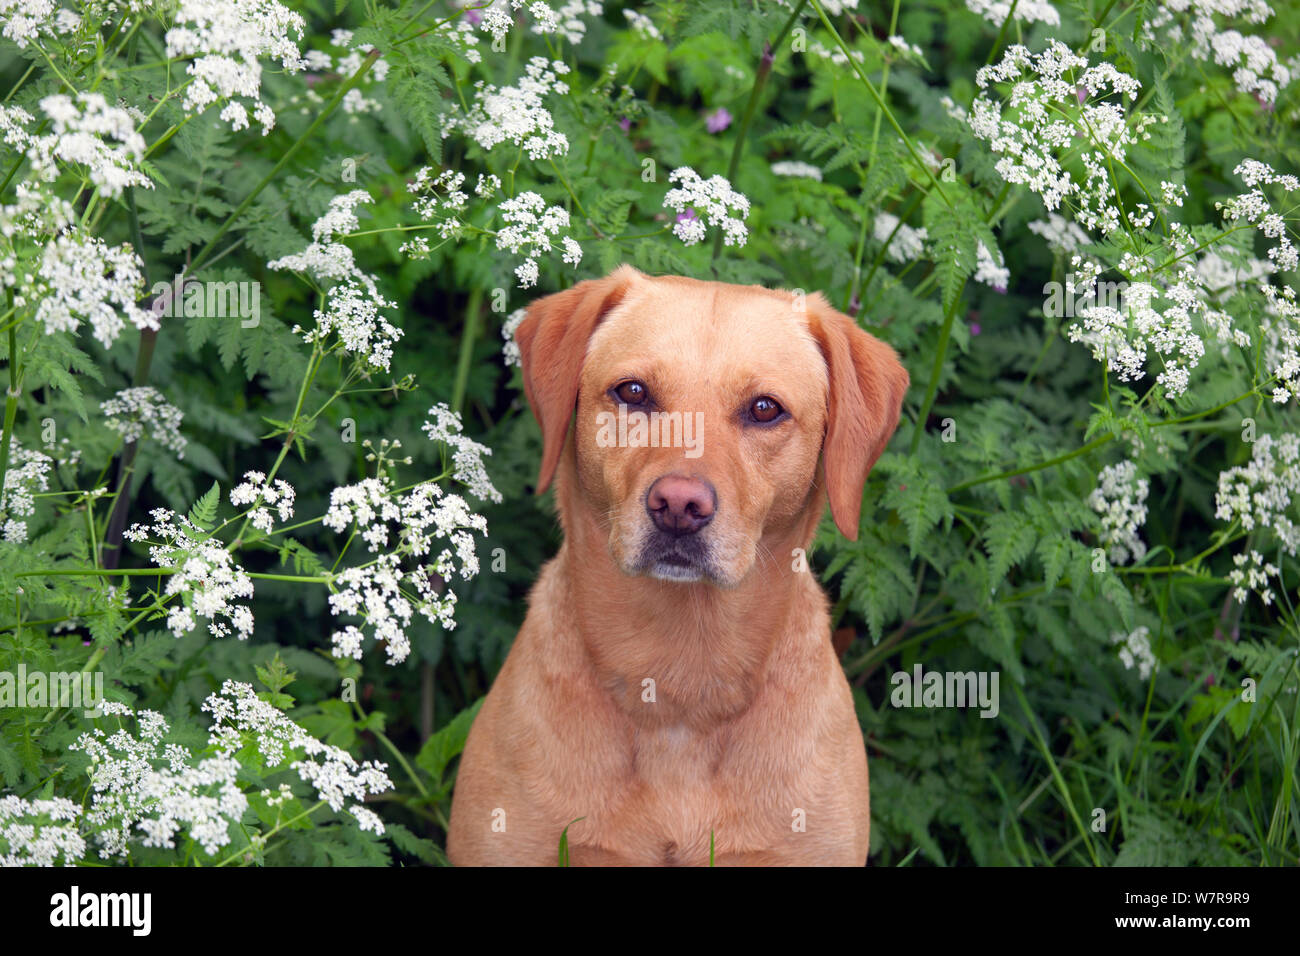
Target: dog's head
{"x":703,"y":409}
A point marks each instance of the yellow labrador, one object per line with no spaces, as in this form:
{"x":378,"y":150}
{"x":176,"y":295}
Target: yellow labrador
{"x":674,"y":681}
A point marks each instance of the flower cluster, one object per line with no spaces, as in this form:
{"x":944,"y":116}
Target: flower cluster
{"x":1030,"y":11}
{"x":143,"y":787}
{"x":1252,"y":573}
{"x":1062,"y":235}
{"x":1190,"y":25}
{"x":530,"y":226}
{"x":83,"y":278}
{"x":27,"y":474}
{"x":1057,"y":106}
{"x":1120,"y":499}
{"x":1254,"y":207}
{"x":793,"y":167}
{"x":255,"y":490}
{"x":225,"y":39}
{"x":375,"y":591}
{"x":352,"y":301}
{"x":466,"y":454}
{"x":700,"y":202}
{"x":1135,"y":651}
{"x":203,"y":573}
{"x":240,"y":717}
{"x":1259,"y":494}
{"x":39,"y":832}
{"x":88,"y":132}
{"x":907,"y":244}
{"x":516,"y":114}
{"x":1165,"y":313}
{"x":133,"y":411}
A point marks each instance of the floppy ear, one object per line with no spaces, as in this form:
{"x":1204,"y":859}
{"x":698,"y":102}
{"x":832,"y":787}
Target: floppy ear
{"x":552,"y":343}
{"x":867,"y":385}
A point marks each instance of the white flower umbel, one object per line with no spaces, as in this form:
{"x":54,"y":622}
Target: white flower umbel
{"x":88,"y":133}
{"x":467,"y":454}
{"x":1281,"y":330}
{"x":793,"y":167}
{"x":1260,"y":494}
{"x":133,"y":412}
{"x":148,"y":791}
{"x":1252,"y":573}
{"x":1164,"y":314}
{"x":1058,"y":106}
{"x":239,"y":717}
{"x":39,"y":832}
{"x":352,"y":300}
{"x":510,"y":351}
{"x":1120,"y":499}
{"x":1255,"y":208}
{"x":255,"y":490}
{"x":1028,"y":11}
{"x":206,"y":577}
{"x":27,"y":474}
{"x":530,"y":227}
{"x":225,"y":40}
{"x":1135,"y":651}
{"x":1063,"y":236}
{"x":1190,"y":27}
{"x":81,"y":278}
{"x":383,"y":593}
{"x":516,"y":114}
{"x":907,"y":245}
{"x":700,"y":202}
{"x":990,"y":267}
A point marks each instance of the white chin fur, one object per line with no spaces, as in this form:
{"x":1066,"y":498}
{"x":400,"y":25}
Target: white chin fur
{"x":675,"y":572}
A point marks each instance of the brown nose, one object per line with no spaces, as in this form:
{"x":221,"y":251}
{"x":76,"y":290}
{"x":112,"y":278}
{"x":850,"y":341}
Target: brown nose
{"x":681,"y":505}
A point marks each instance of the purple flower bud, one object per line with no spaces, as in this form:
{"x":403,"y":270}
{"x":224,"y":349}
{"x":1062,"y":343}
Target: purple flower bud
{"x":474,"y":17}
{"x":687,"y":215}
{"x":625,"y":124}
{"x":718,"y":120}
{"x":975,"y":326}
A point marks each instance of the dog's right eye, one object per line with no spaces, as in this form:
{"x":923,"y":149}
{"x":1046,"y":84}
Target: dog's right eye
{"x":631,"y":393}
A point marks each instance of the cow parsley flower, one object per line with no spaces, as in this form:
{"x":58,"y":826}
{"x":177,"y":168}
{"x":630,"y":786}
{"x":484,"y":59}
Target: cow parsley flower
{"x":384,"y":593}
{"x":1260,"y":494}
{"x":1166,"y":314}
{"x":1120,"y":499}
{"x":1057,"y":106}
{"x":1255,"y":208}
{"x":83,"y":278}
{"x":792,"y":167}
{"x":39,"y":832}
{"x":225,"y":40}
{"x":133,"y":412}
{"x":1135,"y":651}
{"x":255,"y":490}
{"x":1028,"y":11}
{"x":713,"y":201}
{"x":1190,"y":25}
{"x":204,"y":575}
{"x":467,"y":454}
{"x":516,"y":114}
{"x":27,"y":475}
{"x":908,"y":243}
{"x":530,"y":226}
{"x":89,"y":133}
{"x":1062,"y":235}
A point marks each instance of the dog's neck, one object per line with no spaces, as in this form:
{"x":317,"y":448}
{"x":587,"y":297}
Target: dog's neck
{"x":706,"y":649}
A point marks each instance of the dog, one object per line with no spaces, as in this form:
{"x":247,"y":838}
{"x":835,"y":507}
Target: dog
{"x":672,"y":697}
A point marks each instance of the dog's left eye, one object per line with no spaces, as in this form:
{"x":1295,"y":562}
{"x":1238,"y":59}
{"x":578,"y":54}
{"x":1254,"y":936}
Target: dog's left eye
{"x":631,"y":393}
{"x":765,"y":409}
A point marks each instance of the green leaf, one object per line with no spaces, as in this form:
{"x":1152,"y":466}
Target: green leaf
{"x":204,"y":512}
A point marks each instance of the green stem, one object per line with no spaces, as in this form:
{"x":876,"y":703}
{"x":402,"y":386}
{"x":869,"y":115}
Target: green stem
{"x":760,"y":80}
